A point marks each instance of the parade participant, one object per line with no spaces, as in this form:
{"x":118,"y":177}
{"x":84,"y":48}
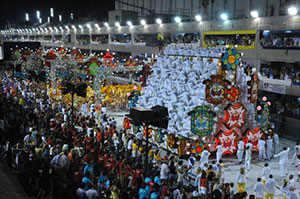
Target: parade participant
{"x":265,"y":173}
{"x":262,"y":149}
{"x":283,"y":160}
{"x":285,"y":187}
{"x":259,"y":189}
{"x":276,"y":143}
{"x":296,"y":152}
{"x":290,"y":194}
{"x":270,"y":187}
{"x":241,"y":180}
{"x":134,"y":149}
{"x":219,"y":152}
{"x":240,"y":151}
{"x":269,"y":148}
{"x":248,"y":158}
{"x":298,"y":167}
{"x":204,"y":157}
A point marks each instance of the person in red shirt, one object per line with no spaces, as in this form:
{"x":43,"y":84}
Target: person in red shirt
{"x":121,"y":171}
{"x":202,"y":187}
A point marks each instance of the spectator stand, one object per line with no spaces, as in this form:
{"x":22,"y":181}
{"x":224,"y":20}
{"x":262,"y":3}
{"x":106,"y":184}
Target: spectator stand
{"x":243,"y":39}
{"x":280,"y":39}
{"x":100,"y":39}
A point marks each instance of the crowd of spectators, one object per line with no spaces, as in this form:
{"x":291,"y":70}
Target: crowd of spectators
{"x":83,"y":39}
{"x":121,"y":38}
{"x":57,"y":153}
{"x":186,"y":38}
{"x":280,"y":40}
{"x":231,"y":40}
{"x":282,"y":71}
{"x":100,"y":39}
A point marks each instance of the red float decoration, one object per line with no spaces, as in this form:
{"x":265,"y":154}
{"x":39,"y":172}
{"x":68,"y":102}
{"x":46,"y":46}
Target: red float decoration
{"x":228,"y":141}
{"x":216,"y":89}
{"x":234,"y":115}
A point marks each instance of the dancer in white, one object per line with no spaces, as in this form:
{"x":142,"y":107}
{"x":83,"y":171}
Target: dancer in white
{"x":276,"y":143}
{"x":296,"y":152}
{"x":248,"y":158}
{"x":265,"y":173}
{"x":283,"y":160}
{"x":270,"y":187}
{"x":204,"y":157}
{"x":269,"y":148}
{"x":240,"y":151}
{"x":259,"y":189}
{"x":262,"y":149}
{"x":219,"y":152}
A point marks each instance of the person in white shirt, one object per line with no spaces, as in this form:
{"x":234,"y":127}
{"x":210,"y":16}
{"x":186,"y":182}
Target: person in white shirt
{"x":276,"y":143}
{"x":164,"y":171}
{"x":241,"y":180}
{"x":129,"y":146}
{"x":296,"y":152}
{"x":270,"y":187}
{"x":240,"y":151}
{"x":269,"y":148}
{"x":259,"y":189}
{"x":262,"y":149}
{"x":248,"y":158}
{"x":290,"y":194}
{"x":283,"y":160}
{"x":265,"y":173}
{"x":204,"y":157}
{"x":219,"y":152}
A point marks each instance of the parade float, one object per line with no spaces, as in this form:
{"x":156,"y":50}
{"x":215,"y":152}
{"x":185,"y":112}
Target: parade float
{"x":210,"y":99}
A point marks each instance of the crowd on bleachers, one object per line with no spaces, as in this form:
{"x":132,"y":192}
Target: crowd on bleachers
{"x":83,"y":39}
{"x":281,"y":71}
{"x":231,"y":40}
{"x":280,"y":40}
{"x":100,"y":39}
{"x":121,"y":38}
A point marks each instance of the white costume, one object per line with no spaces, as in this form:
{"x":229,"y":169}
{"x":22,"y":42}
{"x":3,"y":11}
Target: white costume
{"x":270,"y":186}
{"x":259,"y":190}
{"x":219,"y":153}
{"x":204,"y":158}
{"x":248,"y":159}
{"x":240,"y":151}
{"x":262,"y":149}
{"x":283,"y":161}
{"x":269,"y":148}
{"x":265,"y":173}
{"x":276,"y":143}
{"x":296,"y":152}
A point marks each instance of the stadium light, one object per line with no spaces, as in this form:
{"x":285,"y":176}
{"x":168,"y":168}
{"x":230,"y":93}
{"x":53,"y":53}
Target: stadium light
{"x":40,"y":20}
{"x":224,"y":16}
{"x":177,"y":19}
{"x":106,"y":24}
{"x":59,"y":17}
{"x":71,"y":16}
{"x":129,"y":23}
{"x":117,"y":24}
{"x":80,"y":26}
{"x":97,"y":25}
{"x":198,"y":18}
{"x":55,"y":28}
{"x":254,"y":14}
{"x":48,"y":19}
{"x":292,"y":11}
{"x":158,"y":21}
{"x":51,"y":12}
{"x":89,"y":26}
{"x":143,"y":22}
{"x":61,"y":28}
{"x":74,"y":27}
{"x":67,"y":27}
{"x":27,"y":17}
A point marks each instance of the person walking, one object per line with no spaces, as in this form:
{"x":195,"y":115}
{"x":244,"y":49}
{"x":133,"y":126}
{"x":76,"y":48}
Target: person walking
{"x":283,"y":160}
{"x":240,"y":151}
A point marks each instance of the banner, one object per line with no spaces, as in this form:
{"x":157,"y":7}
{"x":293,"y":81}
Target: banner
{"x":276,"y":82}
{"x":274,"y":88}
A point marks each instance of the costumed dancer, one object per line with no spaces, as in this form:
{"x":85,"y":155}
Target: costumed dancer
{"x":248,"y":158}
{"x":241,"y":180}
{"x":283,"y":160}
{"x":219,"y":152}
{"x":262,"y":149}
{"x":269,"y":148}
{"x":240,"y":151}
{"x":265,"y":173}
{"x":276,"y":143}
{"x":270,"y":187}
{"x":296,"y":152}
{"x":259,"y":189}
{"x":204,"y":157}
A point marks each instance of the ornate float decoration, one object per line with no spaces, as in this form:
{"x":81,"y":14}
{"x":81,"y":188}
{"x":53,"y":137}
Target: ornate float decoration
{"x":197,"y":148}
{"x":201,"y":121}
{"x":230,"y":59}
{"x":264,"y":114}
{"x":228,"y":141}
{"x":253,"y":91}
{"x":216,"y":89}
{"x":253,"y":136}
{"x":233,"y":94}
{"x":234,"y":115}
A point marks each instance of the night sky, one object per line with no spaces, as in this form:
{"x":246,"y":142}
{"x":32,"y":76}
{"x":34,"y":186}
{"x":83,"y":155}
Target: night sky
{"x":13,"y":11}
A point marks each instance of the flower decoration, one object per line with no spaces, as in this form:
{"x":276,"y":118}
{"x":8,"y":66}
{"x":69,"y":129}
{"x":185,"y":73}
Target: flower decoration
{"x":233,"y":94}
{"x":197,"y":148}
{"x":61,"y":51}
{"x":230,"y":59}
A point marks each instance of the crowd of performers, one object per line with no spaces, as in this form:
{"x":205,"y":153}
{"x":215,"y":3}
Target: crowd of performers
{"x":60,"y":155}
